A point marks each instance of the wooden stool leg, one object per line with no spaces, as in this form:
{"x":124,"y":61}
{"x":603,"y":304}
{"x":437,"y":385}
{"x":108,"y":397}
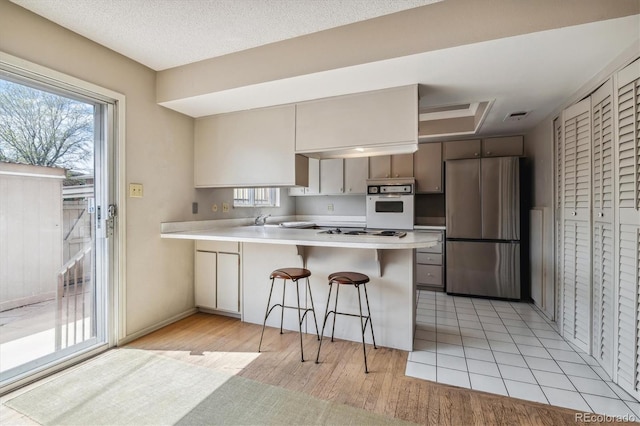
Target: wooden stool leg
{"x":266,"y":314}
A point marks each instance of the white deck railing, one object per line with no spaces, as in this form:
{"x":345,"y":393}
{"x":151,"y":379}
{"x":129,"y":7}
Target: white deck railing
{"x":74,"y":297}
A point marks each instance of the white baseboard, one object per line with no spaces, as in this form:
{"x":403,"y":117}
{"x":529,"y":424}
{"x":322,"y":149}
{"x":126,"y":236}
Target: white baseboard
{"x":151,"y":329}
{"x":223,"y":313}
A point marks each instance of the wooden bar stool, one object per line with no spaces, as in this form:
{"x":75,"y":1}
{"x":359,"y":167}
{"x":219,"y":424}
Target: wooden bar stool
{"x":294,"y":275}
{"x":357,"y":280}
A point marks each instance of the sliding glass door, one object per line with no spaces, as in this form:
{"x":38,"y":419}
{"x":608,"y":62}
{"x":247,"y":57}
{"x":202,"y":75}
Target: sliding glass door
{"x":56,"y":224}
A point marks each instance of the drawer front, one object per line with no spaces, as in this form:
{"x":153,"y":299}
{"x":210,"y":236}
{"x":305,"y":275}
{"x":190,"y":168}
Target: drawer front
{"x":219,"y":246}
{"x":429,"y":274}
{"x":429,"y":258}
{"x":435,"y":249}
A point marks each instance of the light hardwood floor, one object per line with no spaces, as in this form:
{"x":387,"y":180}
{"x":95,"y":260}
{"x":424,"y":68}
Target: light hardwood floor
{"x":221,"y":342}
{"x":340,"y":375}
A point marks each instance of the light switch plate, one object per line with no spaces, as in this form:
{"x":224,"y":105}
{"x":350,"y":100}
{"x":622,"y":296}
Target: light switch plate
{"x":135,"y":190}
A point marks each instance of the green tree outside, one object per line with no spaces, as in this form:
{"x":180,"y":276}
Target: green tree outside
{"x":44,"y":129}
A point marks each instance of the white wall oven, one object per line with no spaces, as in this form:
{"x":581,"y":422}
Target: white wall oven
{"x":390,"y":203}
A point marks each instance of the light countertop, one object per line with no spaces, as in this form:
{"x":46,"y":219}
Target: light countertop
{"x":306,"y":237}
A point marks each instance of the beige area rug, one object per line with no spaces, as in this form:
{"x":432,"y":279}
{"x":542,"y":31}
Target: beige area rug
{"x":137,"y":387}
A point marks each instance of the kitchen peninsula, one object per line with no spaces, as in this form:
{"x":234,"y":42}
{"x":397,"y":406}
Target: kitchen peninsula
{"x":387,"y":260}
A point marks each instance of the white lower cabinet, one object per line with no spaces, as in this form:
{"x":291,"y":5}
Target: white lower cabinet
{"x":205,"y":285}
{"x":228,"y":279}
{"x":217,"y":276}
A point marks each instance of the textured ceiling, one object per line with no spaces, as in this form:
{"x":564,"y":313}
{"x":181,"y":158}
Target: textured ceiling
{"x":163,"y":34}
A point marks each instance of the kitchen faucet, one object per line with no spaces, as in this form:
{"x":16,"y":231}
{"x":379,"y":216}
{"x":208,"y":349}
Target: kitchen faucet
{"x":261,"y":220}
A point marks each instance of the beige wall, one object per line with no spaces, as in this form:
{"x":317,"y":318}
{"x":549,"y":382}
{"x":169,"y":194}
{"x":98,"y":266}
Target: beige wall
{"x":159,"y":154}
{"x":539,"y":152}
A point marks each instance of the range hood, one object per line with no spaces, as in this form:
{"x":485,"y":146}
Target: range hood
{"x":365,"y":151}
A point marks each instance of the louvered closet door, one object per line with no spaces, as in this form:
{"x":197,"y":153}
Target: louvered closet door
{"x":628,"y":203}
{"x":576,"y":225}
{"x":559,"y":169}
{"x":602,"y":230}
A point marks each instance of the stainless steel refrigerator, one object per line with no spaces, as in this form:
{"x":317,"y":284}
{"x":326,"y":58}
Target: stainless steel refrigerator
{"x":482,"y":200}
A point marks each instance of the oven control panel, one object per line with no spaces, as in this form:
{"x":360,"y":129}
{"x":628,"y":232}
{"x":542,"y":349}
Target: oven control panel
{"x":390,"y":189}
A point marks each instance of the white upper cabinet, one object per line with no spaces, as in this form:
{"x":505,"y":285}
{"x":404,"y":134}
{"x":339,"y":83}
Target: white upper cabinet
{"x":382,"y":117}
{"x":356,"y":171}
{"x":248,"y":148}
{"x":380,"y":167}
{"x":457,"y":150}
{"x":336,"y":176}
{"x":313,"y":179}
{"x":427,"y":167}
{"x":332,"y":176}
{"x":507,"y":146}
{"x":402,"y":165}
{"x":503,"y":146}
{"x":391,"y":166}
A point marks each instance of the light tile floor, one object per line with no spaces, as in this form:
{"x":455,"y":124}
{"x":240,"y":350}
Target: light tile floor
{"x":508,"y":348}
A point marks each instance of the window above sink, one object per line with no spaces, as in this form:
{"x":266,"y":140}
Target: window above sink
{"x":256,"y":197}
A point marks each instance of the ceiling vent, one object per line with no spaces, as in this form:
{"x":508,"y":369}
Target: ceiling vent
{"x":516,"y":116}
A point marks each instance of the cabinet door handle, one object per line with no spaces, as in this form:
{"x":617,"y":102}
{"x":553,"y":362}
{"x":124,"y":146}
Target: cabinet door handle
{"x":574,"y":213}
{"x":488,"y":152}
{"x":437,"y":188}
{"x":475,"y":154}
{"x":600,"y":214}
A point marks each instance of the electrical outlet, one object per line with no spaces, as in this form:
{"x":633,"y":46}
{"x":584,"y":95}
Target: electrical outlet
{"x":330,"y":207}
{"x":194,"y":208}
{"x":225,"y":207}
{"x":135,"y":190}
{"x":214,"y":208}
